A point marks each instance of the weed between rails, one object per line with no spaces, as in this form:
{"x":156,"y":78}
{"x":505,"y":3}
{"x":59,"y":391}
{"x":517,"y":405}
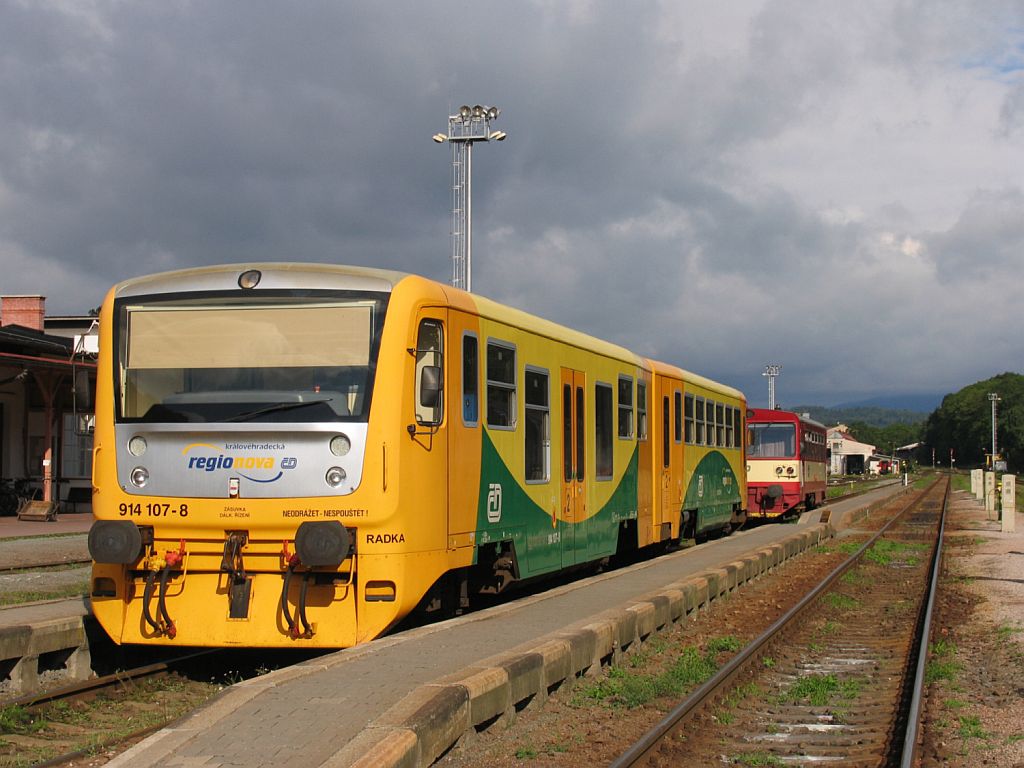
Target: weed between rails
{"x":627,"y":685}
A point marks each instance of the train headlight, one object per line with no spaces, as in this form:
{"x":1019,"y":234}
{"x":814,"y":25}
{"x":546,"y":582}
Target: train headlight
{"x":322,"y":543}
{"x":340,"y":445}
{"x":249,"y":279}
{"x":778,"y":470}
{"x":335,"y":476}
{"x":115,"y":541}
{"x":137,"y":445}
{"x":790,"y":471}
{"x":139,"y":477}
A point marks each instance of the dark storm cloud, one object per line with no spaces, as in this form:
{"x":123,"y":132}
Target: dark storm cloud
{"x":717,"y":186}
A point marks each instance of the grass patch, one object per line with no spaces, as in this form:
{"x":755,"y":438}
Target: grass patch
{"x":935,"y":671}
{"x":941,"y":665}
{"x":1005,"y":632}
{"x":757,"y":759}
{"x":15,"y":719}
{"x":33,"y":596}
{"x":954,"y":705}
{"x":970,"y":728}
{"x":829,"y":628}
{"x":820,"y":690}
{"x":840,"y":602}
{"x":630,"y":689}
{"x":855,"y":577}
{"x":849,"y":547}
{"x":887,"y":552}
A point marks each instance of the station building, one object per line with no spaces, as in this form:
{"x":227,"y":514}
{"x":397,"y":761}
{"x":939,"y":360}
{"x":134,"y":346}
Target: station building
{"x":847,"y":455}
{"x":45,"y":440}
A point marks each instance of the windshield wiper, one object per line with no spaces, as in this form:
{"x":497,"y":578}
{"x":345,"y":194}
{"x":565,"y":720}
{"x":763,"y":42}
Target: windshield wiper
{"x":276,"y":408}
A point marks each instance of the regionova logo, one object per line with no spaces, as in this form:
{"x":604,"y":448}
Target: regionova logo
{"x":249,"y":460}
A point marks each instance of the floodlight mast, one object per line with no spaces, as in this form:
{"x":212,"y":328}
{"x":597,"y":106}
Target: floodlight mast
{"x":468,"y":126}
{"x":994,"y":398}
{"x":772,"y":370}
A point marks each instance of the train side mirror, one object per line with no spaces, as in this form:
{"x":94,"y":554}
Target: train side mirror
{"x":83,"y":390}
{"x":431,"y":386}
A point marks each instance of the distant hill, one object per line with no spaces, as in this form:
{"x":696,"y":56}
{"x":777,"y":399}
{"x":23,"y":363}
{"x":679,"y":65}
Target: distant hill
{"x":875,"y":416}
{"x":921,"y":402}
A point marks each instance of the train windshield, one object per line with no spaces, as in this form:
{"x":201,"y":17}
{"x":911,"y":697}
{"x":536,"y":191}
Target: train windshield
{"x":771,"y":441}
{"x":275,"y":358}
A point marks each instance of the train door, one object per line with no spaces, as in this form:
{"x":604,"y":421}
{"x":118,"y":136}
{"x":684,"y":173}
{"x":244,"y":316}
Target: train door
{"x":574,"y":462}
{"x":429,"y":470}
{"x":669,"y":452}
{"x":464,"y":430}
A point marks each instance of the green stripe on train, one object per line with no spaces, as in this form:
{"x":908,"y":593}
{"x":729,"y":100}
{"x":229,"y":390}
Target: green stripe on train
{"x":713,"y":491}
{"x":544,"y":544}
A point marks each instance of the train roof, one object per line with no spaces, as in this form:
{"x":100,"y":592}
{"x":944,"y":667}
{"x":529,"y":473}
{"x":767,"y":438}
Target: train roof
{"x":755,"y":415}
{"x":286,"y":275}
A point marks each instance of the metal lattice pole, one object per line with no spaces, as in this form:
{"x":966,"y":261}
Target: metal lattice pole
{"x":469,"y":125}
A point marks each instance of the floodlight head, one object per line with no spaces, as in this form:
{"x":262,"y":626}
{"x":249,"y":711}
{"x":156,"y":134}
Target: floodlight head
{"x":478,"y":111}
{"x":492,"y":113}
{"x":498,"y":136}
{"x":464,"y":111}
{"x":440,"y":138}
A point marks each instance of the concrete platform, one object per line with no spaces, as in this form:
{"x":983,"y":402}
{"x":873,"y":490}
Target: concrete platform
{"x":45,"y":637}
{"x":403,"y":700}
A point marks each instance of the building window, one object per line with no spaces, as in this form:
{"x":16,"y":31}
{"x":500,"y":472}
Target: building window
{"x":501,"y":385}
{"x":538,"y":426}
{"x":470,"y":374}
{"x":76,"y":450}
{"x":603,"y":430}
{"x":641,"y":410}
{"x":625,"y":407}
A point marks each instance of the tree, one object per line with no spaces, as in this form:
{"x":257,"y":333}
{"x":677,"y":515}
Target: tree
{"x":964,"y":422}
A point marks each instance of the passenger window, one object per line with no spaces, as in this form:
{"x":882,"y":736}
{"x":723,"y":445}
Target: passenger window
{"x":678,"y":421}
{"x":538,"y":436}
{"x":641,"y":410}
{"x":665,"y":453}
{"x":625,"y":407}
{"x":698,"y":418}
{"x":603,"y":430}
{"x":470,"y":375}
{"x":501,"y":385}
{"x":688,"y":414}
{"x":429,"y":373}
{"x":709,"y":420}
{"x":719,"y":424}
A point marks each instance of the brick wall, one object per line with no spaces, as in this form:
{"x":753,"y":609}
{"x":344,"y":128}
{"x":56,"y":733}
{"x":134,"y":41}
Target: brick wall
{"x":26,"y":311}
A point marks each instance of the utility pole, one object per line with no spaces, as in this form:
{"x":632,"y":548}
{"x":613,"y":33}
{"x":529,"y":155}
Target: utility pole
{"x":994,"y":398}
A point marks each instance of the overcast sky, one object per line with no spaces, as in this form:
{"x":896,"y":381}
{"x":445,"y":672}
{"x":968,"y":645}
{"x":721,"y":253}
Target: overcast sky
{"x":837,"y":187}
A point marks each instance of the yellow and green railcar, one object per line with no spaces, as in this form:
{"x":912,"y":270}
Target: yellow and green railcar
{"x":300,"y":454}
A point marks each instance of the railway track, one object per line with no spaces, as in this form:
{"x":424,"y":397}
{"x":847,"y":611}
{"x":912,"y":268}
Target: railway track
{"x":40,"y":724}
{"x":834,"y":681}
{"x":104,"y":714}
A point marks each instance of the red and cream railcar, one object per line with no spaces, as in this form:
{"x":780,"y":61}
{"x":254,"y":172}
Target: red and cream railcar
{"x":786,"y":460}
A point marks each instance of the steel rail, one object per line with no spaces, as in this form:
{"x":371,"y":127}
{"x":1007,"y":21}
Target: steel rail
{"x":645,"y":746}
{"x":910,"y":740}
{"x":99,"y":683}
{"x":40,"y":566}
